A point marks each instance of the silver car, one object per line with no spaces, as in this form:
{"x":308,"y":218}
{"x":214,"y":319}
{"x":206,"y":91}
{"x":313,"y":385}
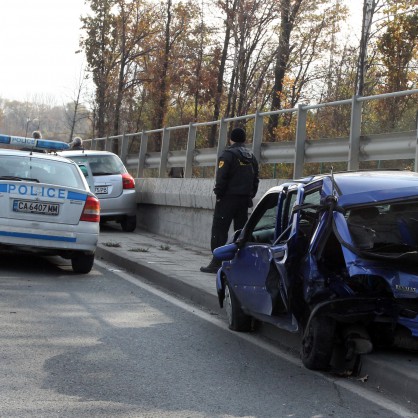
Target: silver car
{"x":111,"y":183}
{"x":46,"y":206}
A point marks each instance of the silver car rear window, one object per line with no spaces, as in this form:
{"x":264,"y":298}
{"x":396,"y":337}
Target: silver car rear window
{"x":102,"y":164}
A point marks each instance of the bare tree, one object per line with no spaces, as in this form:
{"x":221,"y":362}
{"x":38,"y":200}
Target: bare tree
{"x":100,"y":44}
{"x":229,"y":9}
{"x":74,"y":111}
{"x":289,"y":10}
{"x":134,"y":27}
{"x":253,"y":56}
{"x":369,"y":9}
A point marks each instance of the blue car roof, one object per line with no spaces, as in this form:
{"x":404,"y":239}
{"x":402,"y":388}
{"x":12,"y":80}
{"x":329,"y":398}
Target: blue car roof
{"x":363,"y":187}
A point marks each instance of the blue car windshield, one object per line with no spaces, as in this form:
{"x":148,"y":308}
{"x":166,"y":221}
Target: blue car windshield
{"x":384,"y":228}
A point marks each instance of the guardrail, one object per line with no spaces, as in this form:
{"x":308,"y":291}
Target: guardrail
{"x":353,"y":149}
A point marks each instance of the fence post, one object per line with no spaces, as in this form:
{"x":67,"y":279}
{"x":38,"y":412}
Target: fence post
{"x":223,"y":134}
{"x":258,"y":135}
{"x":191,"y":143}
{"x":416,"y":147}
{"x":108,"y":144}
{"x":300,"y":142}
{"x":165,"y":144}
{"x":142,"y":154}
{"x":355,"y":132}
{"x":124,"y":148}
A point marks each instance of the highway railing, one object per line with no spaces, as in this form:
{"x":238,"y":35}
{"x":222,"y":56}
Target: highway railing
{"x":353,"y":149}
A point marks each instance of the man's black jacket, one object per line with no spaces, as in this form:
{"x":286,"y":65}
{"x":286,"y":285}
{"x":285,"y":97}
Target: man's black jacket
{"x":237,"y":173}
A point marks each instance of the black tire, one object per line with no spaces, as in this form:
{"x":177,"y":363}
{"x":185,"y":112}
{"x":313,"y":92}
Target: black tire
{"x":237,"y":319}
{"x":82,"y":263}
{"x":128,"y":223}
{"x":318,"y":343}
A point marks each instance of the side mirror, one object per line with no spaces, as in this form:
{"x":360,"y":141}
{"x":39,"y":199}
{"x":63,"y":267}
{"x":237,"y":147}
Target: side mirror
{"x":226,"y":252}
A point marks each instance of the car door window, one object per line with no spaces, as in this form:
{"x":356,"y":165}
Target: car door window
{"x":287,"y":211}
{"x":308,"y":216}
{"x":262,"y":223}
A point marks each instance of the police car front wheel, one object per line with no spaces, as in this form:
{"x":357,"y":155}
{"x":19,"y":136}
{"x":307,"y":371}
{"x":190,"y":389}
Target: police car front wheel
{"x":82,"y":263}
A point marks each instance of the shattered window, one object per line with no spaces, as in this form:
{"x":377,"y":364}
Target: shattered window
{"x":387,"y":228}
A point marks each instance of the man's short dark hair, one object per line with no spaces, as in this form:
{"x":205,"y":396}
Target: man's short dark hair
{"x":238,"y":135}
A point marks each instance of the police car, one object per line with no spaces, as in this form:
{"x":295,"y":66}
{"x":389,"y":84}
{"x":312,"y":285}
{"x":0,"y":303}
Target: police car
{"x":46,"y":206}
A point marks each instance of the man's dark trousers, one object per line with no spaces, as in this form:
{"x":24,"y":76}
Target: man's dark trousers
{"x":229,"y":208}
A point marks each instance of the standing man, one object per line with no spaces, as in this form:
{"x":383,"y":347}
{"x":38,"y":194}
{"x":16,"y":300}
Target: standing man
{"x":76,"y":143}
{"x":236,"y":185}
{"x":36,"y":135}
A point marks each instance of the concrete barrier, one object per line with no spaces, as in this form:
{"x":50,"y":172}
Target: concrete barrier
{"x":182,"y":208}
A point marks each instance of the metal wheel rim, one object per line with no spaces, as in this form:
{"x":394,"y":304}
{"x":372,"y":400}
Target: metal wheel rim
{"x":228,"y":304}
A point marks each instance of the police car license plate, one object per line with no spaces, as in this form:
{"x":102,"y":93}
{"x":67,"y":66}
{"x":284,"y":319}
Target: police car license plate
{"x":41,"y":208}
{"x":101,"y":190}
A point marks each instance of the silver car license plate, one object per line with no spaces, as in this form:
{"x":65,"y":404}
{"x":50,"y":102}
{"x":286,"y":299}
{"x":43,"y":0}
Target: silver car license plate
{"x":101,"y":190}
{"x":41,"y":208}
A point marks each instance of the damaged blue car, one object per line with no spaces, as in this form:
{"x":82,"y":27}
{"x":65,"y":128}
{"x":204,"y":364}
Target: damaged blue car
{"x":334,"y":257}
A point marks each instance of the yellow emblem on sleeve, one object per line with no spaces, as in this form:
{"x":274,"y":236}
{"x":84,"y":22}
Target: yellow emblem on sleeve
{"x":221,"y":164}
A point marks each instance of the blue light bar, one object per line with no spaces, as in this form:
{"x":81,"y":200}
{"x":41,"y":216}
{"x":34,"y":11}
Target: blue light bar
{"x":20,"y":141}
{"x":52,"y":145}
{"x":4,"y":139}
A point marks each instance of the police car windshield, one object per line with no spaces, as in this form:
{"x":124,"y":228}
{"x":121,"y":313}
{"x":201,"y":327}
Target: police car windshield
{"x":30,"y":168}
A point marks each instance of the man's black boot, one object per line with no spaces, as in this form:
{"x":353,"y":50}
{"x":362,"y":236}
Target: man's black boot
{"x":212,"y":267}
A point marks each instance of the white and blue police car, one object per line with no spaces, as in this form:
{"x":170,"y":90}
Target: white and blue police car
{"x":46,"y":206}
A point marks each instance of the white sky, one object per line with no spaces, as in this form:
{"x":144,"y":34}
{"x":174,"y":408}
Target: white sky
{"x":38,"y":40}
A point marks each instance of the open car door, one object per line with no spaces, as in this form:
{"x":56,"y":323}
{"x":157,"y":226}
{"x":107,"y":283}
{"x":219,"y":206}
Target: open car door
{"x":258,"y":272}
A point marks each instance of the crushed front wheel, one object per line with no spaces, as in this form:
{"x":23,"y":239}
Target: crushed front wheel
{"x":318,"y":343}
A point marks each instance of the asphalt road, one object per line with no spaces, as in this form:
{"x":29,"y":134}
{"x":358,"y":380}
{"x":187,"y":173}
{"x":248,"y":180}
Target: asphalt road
{"x":107,"y":344}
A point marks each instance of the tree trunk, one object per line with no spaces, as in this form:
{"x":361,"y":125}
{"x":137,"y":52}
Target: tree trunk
{"x":162,"y":105}
{"x":282,"y":60}
{"x":369,"y":7}
{"x":219,"y":90}
{"x":289,"y":12}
